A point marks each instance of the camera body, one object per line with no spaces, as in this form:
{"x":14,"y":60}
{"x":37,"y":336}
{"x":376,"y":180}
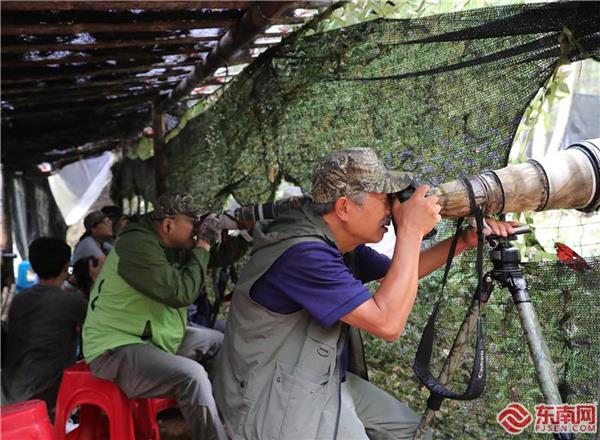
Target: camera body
{"x":403,"y":196}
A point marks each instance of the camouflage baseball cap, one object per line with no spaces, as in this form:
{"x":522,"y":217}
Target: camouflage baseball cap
{"x":169,"y":205}
{"x":352,"y":171}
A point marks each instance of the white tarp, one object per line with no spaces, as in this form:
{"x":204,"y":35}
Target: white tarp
{"x":77,"y":186}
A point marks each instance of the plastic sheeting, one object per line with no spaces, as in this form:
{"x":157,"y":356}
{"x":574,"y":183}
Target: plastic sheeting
{"x":77,"y":186}
{"x":33,"y":212}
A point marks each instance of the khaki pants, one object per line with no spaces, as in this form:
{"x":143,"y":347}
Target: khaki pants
{"x":144,"y":370}
{"x":368,"y":412}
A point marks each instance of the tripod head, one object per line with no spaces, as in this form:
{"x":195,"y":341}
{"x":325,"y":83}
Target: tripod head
{"x":504,"y":256}
{"x":495,"y":240}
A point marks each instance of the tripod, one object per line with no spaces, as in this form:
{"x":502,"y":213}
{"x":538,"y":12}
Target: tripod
{"x":507,"y":273}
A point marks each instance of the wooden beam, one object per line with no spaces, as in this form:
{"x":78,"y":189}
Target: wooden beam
{"x":112,"y":44}
{"x":112,"y":28}
{"x":92,"y":74}
{"x":135,"y":81}
{"x":82,"y":90}
{"x":94,"y":5}
{"x":140,"y":55}
{"x":242,"y":58}
{"x":51,"y":95}
{"x":79,"y":96}
{"x":53,"y":18}
{"x":253,"y":22}
{"x":92,"y":69}
{"x":162,"y":5}
{"x":96,"y":101}
{"x":128,"y":83}
{"x":115,"y":44}
{"x":91,"y":107}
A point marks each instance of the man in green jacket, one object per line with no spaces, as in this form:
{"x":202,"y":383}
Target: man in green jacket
{"x":135,"y":332}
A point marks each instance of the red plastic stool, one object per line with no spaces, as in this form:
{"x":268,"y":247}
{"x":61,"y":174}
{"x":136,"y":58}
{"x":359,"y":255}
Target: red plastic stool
{"x":26,"y":421}
{"x":80,"y":388}
{"x":145,"y":416}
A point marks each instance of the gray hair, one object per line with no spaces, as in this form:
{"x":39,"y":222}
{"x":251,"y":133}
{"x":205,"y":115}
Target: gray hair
{"x":325,"y":208}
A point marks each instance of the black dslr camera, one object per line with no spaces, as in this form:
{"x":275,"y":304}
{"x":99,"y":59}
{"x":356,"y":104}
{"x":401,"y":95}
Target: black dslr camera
{"x":403,"y":196}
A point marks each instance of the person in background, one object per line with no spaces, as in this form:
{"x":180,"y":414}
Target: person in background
{"x":118,"y":219}
{"x":95,"y":242}
{"x":84,"y":273}
{"x":136,"y":332}
{"x":42,"y":327}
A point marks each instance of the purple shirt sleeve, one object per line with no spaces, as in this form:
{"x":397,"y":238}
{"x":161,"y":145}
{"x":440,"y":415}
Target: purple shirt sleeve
{"x":371,"y":264}
{"x":313,"y":276}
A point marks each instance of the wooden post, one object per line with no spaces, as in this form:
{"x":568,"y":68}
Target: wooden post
{"x":160,"y":159}
{"x":6,"y":243}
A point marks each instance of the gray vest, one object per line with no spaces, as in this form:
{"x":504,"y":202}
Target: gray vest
{"x":278,"y":376}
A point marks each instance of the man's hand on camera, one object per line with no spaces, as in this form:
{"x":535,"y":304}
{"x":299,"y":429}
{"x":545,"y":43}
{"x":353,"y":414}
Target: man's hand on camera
{"x":209,"y":231}
{"x":420,"y":213}
{"x":490,"y":226}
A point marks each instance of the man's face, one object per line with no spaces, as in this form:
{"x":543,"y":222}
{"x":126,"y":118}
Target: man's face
{"x":368,"y":221}
{"x":103,"y":230}
{"x":180,"y":231}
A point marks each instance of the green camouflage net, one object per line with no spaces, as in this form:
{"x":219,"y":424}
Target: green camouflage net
{"x":567,"y":304}
{"x":440,"y":97}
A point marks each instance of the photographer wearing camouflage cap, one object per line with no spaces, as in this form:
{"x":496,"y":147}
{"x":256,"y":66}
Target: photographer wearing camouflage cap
{"x":135,"y":332}
{"x":292,"y":363}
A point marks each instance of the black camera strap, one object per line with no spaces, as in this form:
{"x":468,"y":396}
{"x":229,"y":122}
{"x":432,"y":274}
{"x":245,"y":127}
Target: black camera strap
{"x":422,"y":362}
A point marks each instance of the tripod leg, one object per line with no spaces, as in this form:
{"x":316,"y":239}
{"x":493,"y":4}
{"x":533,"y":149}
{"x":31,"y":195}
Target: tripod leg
{"x":453,"y":361}
{"x":544,"y":368}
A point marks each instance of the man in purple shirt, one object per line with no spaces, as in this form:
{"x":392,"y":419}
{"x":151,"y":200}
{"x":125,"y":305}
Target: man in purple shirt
{"x":313,"y":276}
{"x":320,"y":274}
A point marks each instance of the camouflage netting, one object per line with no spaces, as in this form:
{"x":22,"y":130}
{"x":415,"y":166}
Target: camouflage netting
{"x":441,"y":97}
{"x":567,"y":304}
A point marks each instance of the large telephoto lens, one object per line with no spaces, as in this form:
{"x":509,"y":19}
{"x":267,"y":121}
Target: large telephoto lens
{"x":567,"y":179}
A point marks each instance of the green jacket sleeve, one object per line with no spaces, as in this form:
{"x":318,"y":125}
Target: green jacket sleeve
{"x":143,"y":264}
